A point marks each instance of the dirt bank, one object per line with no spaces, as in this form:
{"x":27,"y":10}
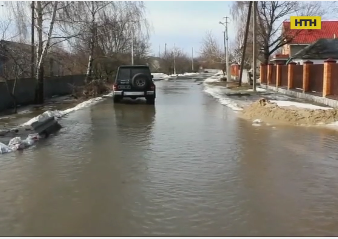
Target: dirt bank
{"x":272,"y":113}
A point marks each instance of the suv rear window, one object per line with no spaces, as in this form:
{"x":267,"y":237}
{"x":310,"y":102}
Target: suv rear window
{"x":128,"y":73}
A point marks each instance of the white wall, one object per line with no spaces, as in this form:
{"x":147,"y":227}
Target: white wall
{"x":245,"y":78}
{"x":314,"y":61}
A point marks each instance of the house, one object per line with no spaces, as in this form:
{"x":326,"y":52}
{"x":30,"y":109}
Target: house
{"x":279,"y":59}
{"x":302,"y":38}
{"x":318,"y":52}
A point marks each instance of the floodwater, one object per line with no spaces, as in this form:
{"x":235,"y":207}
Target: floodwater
{"x":185,"y":167}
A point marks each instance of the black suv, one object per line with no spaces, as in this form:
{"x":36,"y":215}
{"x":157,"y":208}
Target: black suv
{"x":134,"y":82}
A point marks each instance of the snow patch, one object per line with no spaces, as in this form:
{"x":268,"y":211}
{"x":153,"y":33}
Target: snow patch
{"x":286,"y":103}
{"x":216,"y":93}
{"x":257,"y":122}
{"x":215,"y":78}
{"x":160,"y":76}
{"x":60,"y":113}
{"x":18,"y":144}
{"x":258,"y":89}
{"x":185,"y":74}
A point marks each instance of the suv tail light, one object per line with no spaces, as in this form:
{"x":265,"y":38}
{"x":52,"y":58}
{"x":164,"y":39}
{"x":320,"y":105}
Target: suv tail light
{"x":152,"y":87}
{"x":115,"y":86}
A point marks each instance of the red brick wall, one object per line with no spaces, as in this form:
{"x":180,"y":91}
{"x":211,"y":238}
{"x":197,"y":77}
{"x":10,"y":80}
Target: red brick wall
{"x":273,"y":79}
{"x":298,"y":77}
{"x":316,"y":78}
{"x":234,"y":70}
{"x":334,"y":80}
{"x":284,"y":76}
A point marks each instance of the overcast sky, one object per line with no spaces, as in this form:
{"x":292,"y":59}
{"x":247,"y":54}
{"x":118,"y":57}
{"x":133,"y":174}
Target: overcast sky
{"x":185,"y":23}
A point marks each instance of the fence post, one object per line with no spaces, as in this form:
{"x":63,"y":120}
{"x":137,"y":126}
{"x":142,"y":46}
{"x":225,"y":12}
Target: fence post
{"x":235,"y":70}
{"x":269,"y":75}
{"x":306,"y":75}
{"x":327,"y":78}
{"x":279,"y":74}
{"x":262,"y":73}
{"x":291,"y":67}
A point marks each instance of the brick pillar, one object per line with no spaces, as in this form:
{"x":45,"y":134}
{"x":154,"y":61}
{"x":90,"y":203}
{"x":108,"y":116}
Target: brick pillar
{"x":236,"y":70}
{"x":327,"y":78}
{"x":306,"y":75}
{"x":262,"y":74}
{"x":291,"y":67}
{"x":279,"y":74}
{"x":269,"y":74}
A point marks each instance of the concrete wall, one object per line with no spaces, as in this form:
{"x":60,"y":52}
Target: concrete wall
{"x":25,"y":90}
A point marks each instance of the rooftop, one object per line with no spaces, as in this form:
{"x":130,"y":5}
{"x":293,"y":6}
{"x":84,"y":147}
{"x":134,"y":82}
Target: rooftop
{"x":321,"y":49}
{"x":329,"y":30}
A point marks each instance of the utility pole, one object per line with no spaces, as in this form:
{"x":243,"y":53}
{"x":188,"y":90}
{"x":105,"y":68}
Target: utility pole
{"x":245,"y":41}
{"x":226,"y":48}
{"x":192,"y":59}
{"x":132,"y":46}
{"x":254,"y":54}
{"x":165,"y":49}
{"x":32,"y":39}
{"x":174,"y":60}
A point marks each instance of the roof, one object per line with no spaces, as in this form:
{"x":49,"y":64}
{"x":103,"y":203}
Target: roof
{"x":321,"y":49}
{"x":329,"y":30}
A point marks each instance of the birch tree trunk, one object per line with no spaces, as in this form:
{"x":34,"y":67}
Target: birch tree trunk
{"x":42,"y":49}
{"x":91,"y":45}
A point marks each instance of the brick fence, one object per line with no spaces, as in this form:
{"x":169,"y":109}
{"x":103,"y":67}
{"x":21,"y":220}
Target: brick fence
{"x":316,"y":79}
{"x":25,"y":89}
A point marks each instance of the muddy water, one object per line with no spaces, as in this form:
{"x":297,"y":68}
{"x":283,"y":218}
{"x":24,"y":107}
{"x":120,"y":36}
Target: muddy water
{"x":187,"y":167}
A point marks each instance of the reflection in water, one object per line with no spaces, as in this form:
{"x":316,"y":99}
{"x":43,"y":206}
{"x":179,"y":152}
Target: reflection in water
{"x":285,"y":180}
{"x":185,"y":166}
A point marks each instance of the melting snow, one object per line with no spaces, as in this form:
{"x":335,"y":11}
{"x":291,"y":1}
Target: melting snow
{"x":258,"y":89}
{"x":286,"y":103}
{"x":217,"y":93}
{"x":17,"y":143}
{"x":160,"y":76}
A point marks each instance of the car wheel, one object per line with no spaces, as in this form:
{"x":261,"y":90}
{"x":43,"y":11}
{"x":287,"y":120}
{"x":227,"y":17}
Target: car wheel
{"x":150,"y":100}
{"x":140,"y":81}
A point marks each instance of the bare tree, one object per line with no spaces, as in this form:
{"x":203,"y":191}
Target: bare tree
{"x":45,"y":15}
{"x":175,"y":57}
{"x":211,"y":50}
{"x":107,"y":29}
{"x":91,"y":29}
{"x":271,"y":14}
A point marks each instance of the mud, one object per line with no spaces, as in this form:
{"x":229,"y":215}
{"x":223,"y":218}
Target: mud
{"x":271,"y":113}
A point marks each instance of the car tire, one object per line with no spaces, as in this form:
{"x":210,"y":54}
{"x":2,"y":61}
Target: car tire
{"x":150,"y":100}
{"x":140,"y":81}
{"x":117,"y":99}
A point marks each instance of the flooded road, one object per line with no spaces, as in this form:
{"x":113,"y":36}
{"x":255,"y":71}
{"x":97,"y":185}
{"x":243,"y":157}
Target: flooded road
{"x":184,"y":167}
